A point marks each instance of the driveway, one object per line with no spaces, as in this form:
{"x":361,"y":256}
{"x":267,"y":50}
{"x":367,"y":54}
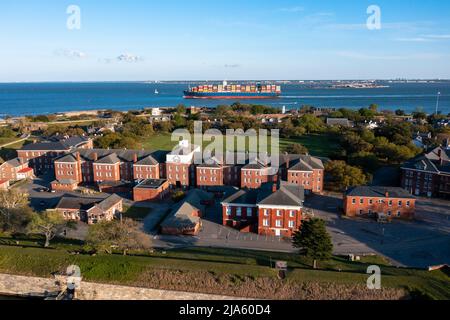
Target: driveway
{"x":419,"y":243}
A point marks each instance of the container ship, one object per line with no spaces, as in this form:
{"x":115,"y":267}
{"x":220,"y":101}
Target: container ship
{"x":233,"y":91}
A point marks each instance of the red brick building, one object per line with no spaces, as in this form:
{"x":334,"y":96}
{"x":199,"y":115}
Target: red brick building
{"x":151,"y":190}
{"x":275,"y":212}
{"x":379,"y":202}
{"x":305,"y":171}
{"x":14,"y":170}
{"x":98,"y":166}
{"x":429,"y":174}
{"x":180,"y":168}
{"x":41,"y":156}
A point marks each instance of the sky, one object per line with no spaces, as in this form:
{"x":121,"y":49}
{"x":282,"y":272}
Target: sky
{"x":138,"y":40}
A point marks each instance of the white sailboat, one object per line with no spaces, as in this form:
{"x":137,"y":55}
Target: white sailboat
{"x":156,"y":91}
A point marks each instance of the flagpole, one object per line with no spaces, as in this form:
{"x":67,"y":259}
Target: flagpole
{"x":437,"y":102}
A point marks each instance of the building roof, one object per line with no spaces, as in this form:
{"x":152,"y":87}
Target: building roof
{"x":181,"y":216}
{"x":4,"y":181}
{"x":287,"y":195}
{"x":147,"y":161}
{"x":302,"y":162}
{"x":339,"y":122}
{"x":151,"y":184}
{"x":109,"y":159}
{"x":14,"y":162}
{"x":378,"y":192}
{"x":75,"y":203}
{"x":56,"y":144}
{"x":24,"y":170}
{"x":122,"y":154}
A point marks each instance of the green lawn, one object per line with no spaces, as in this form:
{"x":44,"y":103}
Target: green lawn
{"x":318,"y":145}
{"x":238,"y":264}
{"x":136,"y":213}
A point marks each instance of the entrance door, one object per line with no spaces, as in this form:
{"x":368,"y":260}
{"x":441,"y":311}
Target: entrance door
{"x":278,"y":232}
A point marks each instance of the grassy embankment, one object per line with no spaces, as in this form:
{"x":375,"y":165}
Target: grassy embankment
{"x":226,"y":271}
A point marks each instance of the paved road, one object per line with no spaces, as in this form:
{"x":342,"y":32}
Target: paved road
{"x":14,"y":142}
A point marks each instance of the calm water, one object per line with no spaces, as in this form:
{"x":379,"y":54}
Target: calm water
{"x":43,"y":98}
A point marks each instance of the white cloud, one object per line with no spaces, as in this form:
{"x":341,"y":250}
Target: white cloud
{"x":292,"y":9}
{"x":128,"y":57}
{"x":416,"y":39}
{"x":71,"y":54}
{"x":438,"y":36}
{"x":232,"y":66}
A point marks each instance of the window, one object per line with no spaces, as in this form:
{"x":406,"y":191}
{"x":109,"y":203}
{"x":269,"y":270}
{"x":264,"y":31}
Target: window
{"x":370,"y":201}
{"x":278,"y":213}
{"x":266,"y":222}
{"x":292,"y":214}
{"x":360,"y":212}
{"x":400,"y":203}
{"x":408,"y":204}
{"x":390,"y":203}
{"x":291,"y":224}
{"x":279,"y":223}
{"x":354,"y":201}
{"x":361,"y":201}
{"x":266,"y":212}
{"x":239,"y":212}
{"x":389,"y":213}
{"x":249,"y":212}
{"x":228,"y":211}
{"x":399,"y":214}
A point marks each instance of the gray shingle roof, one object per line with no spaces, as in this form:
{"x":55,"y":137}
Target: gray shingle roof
{"x":287,"y":195}
{"x":181,"y":216}
{"x":75,"y":203}
{"x":377,"y":192}
{"x":56,"y":144}
{"x":109,"y":159}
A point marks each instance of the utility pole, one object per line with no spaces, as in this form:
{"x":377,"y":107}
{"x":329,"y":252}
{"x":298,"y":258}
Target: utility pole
{"x":437,"y":102}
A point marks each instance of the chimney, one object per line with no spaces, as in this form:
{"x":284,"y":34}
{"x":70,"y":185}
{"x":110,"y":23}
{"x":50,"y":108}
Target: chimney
{"x":95,"y":156}
{"x":440,"y":153}
{"x":135,"y":158}
{"x":387,"y":194}
{"x":274,"y":188}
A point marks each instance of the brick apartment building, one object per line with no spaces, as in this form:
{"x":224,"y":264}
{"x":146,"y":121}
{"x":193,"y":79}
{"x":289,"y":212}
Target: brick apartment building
{"x":180,"y":168}
{"x":379,"y":202}
{"x":266,"y":211}
{"x":151,"y":190}
{"x":88,"y":210}
{"x":14,"y":170}
{"x":429,"y":174}
{"x":98,"y":166}
{"x":41,"y":156}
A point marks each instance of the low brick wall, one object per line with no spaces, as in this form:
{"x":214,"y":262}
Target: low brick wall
{"x":43,"y":287}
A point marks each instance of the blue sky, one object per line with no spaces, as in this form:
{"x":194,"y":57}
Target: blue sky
{"x":205,"y":40}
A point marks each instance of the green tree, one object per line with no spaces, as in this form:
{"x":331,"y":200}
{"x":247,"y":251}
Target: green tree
{"x":313,"y":240}
{"x":11,"y":204}
{"x":123,"y":235}
{"x":48,"y":224}
{"x":312,"y":124}
{"x":297,"y":148}
{"x":341,"y":176}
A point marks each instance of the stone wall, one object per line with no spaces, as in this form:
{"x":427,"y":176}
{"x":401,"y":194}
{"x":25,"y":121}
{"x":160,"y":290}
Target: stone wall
{"x":43,"y":287}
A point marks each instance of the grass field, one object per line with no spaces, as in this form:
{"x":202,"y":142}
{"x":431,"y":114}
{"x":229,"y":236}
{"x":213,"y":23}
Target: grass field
{"x":136,"y":213}
{"x":239,"y":272}
{"x":318,"y":145}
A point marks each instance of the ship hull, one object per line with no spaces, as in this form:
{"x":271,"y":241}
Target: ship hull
{"x":230,"y":95}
